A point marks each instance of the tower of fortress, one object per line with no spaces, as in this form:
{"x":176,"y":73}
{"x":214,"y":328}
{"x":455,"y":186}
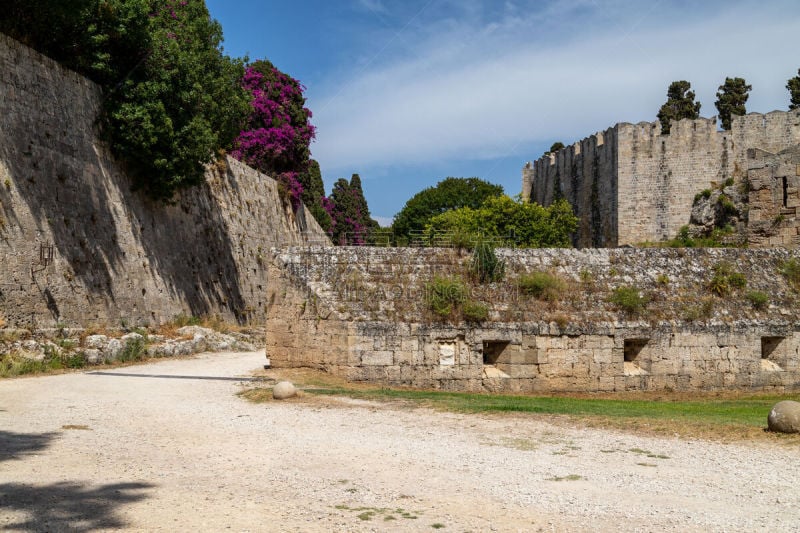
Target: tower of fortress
{"x":630,"y":184}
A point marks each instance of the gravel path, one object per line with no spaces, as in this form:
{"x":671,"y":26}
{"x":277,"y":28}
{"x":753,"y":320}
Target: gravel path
{"x":154,"y":447}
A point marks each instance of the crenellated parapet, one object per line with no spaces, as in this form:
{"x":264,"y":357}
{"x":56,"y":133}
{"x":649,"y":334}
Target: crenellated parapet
{"x":631,"y":183}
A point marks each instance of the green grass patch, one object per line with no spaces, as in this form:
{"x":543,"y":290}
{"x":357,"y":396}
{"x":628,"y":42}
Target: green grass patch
{"x":749,"y":411}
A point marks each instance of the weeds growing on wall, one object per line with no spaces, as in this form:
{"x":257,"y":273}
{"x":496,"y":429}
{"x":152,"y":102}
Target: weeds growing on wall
{"x":791,"y":271}
{"x":726,"y":279}
{"x":475,"y":311}
{"x":758,"y":299}
{"x":485,"y":266}
{"x":629,"y":299}
{"x":444,"y":295}
{"x":542,"y":285}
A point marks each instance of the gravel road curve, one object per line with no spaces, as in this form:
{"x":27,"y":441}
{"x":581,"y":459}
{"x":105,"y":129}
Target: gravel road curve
{"x":168,"y":446}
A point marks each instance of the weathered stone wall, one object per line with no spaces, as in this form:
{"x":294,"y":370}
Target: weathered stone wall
{"x":774,"y":198}
{"x":630,"y":184}
{"x":361,"y":313}
{"x":117,"y":256}
{"x":585,"y":174}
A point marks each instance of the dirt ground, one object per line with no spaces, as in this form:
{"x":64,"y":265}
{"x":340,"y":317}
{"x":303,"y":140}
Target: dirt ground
{"x":169,"y":446}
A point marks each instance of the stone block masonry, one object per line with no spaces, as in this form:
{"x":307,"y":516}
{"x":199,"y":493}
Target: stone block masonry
{"x":361,"y":313}
{"x":78,"y":246}
{"x":630,"y":184}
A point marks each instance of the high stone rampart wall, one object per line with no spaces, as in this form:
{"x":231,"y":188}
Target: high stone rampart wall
{"x":118,"y":257}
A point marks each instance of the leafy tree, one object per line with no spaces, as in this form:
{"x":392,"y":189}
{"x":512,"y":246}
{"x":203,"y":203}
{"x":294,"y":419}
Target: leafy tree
{"x":680,"y":104}
{"x":172,"y":114}
{"x":313,"y":194}
{"x":351,"y":223}
{"x":731,"y":99}
{"x":275,"y":140}
{"x":276,"y":137}
{"x":555,"y":148}
{"x":451,"y":193}
{"x":172,"y":98}
{"x":793,"y":85}
{"x":516,"y":223}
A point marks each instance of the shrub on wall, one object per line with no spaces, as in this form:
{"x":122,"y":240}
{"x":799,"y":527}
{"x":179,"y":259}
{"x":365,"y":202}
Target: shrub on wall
{"x":629,"y":299}
{"x":443,"y":295}
{"x":726,"y":279}
{"x":485,"y":266}
{"x":542,"y":285}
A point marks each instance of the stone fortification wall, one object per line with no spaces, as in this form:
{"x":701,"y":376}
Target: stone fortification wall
{"x":585,"y":174}
{"x":630,"y":184}
{"x":659,"y":175}
{"x":362,"y":313}
{"x":79,"y":247}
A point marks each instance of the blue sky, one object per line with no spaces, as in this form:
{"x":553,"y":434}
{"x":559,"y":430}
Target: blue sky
{"x":408,"y":92}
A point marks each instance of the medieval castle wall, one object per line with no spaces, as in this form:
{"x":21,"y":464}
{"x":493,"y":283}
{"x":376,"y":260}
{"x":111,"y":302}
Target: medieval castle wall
{"x":77,"y":246}
{"x":630,"y":184}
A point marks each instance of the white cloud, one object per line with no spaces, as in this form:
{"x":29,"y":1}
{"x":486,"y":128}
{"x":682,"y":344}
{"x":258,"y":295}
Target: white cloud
{"x":475,"y":87}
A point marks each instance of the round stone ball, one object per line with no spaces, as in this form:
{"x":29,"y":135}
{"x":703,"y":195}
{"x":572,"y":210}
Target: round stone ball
{"x":284,"y":390}
{"x":785,"y":417}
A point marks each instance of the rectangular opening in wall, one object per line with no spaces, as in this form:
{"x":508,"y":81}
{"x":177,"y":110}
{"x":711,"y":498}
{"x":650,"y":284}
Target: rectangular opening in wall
{"x":633,"y":347}
{"x":785,"y":183}
{"x":770,"y":346}
{"x":493,"y":351}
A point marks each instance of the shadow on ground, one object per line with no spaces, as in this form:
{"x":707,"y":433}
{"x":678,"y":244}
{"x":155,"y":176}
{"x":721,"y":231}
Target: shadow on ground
{"x":68,"y":506}
{"x":15,"y":445}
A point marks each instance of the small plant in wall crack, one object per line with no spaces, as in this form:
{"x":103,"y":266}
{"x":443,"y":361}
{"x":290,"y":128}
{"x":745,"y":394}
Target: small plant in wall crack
{"x":485,"y":266}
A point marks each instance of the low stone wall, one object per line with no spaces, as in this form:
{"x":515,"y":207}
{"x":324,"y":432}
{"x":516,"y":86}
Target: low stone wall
{"x":361,"y":313}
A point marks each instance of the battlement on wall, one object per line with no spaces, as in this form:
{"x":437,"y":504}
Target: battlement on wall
{"x":630,"y":184}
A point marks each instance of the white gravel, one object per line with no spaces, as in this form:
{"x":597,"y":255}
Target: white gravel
{"x":166,"y":453}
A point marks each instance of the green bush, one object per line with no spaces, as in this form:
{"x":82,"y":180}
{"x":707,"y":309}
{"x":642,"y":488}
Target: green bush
{"x":475,"y":311}
{"x":758,"y":299}
{"x":485,"y":266}
{"x":513,"y":222}
{"x":629,"y":299}
{"x":791,"y":271}
{"x":706,"y":193}
{"x":171,"y":98}
{"x":726,"y":279}
{"x":542,"y":285}
{"x":134,"y":350}
{"x":443,"y":295}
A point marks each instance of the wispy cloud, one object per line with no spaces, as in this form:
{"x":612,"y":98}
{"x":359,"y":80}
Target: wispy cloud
{"x":375,"y":6}
{"x":471,"y":81}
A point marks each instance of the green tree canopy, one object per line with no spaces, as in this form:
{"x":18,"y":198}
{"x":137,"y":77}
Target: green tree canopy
{"x":793,"y":85}
{"x":172,"y":99}
{"x":731,"y":99}
{"x":514,"y":222}
{"x":313,"y":195}
{"x":351,"y":223}
{"x":680,"y":104}
{"x":555,"y":148}
{"x":173,"y":112}
{"x":450,"y":193}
